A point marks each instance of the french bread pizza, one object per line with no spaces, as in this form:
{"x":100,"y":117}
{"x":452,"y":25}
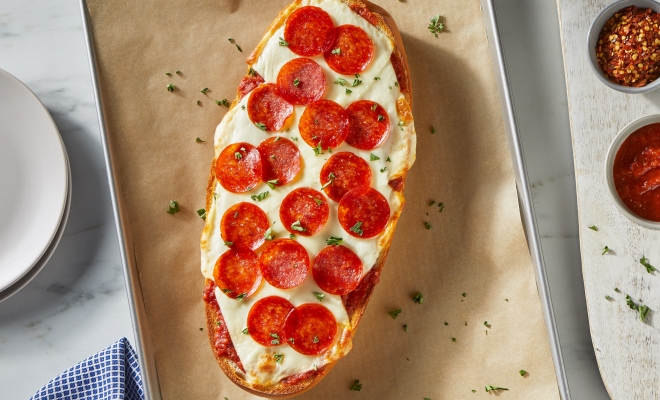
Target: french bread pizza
{"x":305,"y":190}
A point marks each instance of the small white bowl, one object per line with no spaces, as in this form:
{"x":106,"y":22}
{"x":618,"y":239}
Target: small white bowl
{"x":592,"y":40}
{"x":609,"y":165}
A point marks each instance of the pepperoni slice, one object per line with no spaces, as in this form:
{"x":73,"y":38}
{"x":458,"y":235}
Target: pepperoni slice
{"x":301,"y":81}
{"x":280,"y":160}
{"x":363,"y":212}
{"x":237,"y":273}
{"x":267,"y":109}
{"x":265,"y":321}
{"x":337,"y":270}
{"x":351,"y":52}
{"x":324,"y":122}
{"x":310,"y":329}
{"x":309,"y":31}
{"x":304,"y":211}
{"x":284,"y":263}
{"x":244,"y":226}
{"x":238,"y":167}
{"x":369,"y":125}
{"x":248,"y":83}
{"x":343,"y":172}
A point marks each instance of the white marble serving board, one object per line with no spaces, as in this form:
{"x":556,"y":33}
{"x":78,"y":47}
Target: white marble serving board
{"x":627,"y":349}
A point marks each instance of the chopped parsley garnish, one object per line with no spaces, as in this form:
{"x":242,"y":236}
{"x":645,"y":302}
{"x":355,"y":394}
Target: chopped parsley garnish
{"x":340,"y":81}
{"x":198,"y":140}
{"x":261,"y":196}
{"x":388,"y":159}
{"x":227,"y":291}
{"x":442,"y":206}
{"x":432,"y":202}
{"x":231,"y":40}
{"x":453,"y":339}
{"x":292,"y":236}
{"x":490,"y":388}
{"x":356,"y":82}
{"x":238,"y":155}
{"x":315,"y":340}
{"x":168,"y":73}
{"x":394,"y":313}
{"x":296,"y":82}
{"x":269,"y":234}
{"x":198,"y":102}
{"x":278,"y":357}
{"x":201,"y":329}
{"x":283,"y":42}
{"x":427,"y":225}
{"x":522,"y":372}
{"x":645,"y":262}
{"x":418,"y":298}
{"x":383,"y":169}
{"x":170,"y":87}
{"x":252,"y":72}
{"x":331,"y":178}
{"x":405,"y":328}
{"x":605,"y":251}
{"x":357,"y":386}
{"x":594,"y":228}
{"x":318,"y":202}
{"x":333,"y":240}
{"x":317,"y":150}
{"x":260,"y":126}
{"x":432,"y":130}
{"x":202,"y":213}
{"x":380,"y":117}
{"x":319,"y":296}
{"x":356,"y":228}
{"x":373,"y":157}
{"x":436,"y":26}
{"x":271,"y":184}
{"x":245,"y":331}
{"x":204,"y":90}
{"x":608,"y":297}
{"x":238,"y":47}
{"x":373,"y":108}
{"x":336,"y":51}
{"x":223,"y":102}
{"x":616,"y":289}
{"x":486,"y":324}
{"x":348,"y":91}
{"x":446,"y":323}
{"x":292,"y":340}
{"x":243,"y":107}
{"x":228,"y":244}
{"x":642,"y":310}
{"x":376,"y":78}
{"x":297,"y":227}
{"x":276,"y":338}
{"x":241,"y":296}
{"x":464,"y":294}
{"x":173,"y":208}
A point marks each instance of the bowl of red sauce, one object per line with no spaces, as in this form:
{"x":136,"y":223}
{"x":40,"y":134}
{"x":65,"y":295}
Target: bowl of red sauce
{"x":623,"y":46}
{"x":633,"y":171}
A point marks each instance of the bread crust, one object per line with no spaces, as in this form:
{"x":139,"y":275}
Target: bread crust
{"x":385,"y":23}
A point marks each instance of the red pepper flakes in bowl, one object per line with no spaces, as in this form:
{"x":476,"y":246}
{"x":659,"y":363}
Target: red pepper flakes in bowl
{"x":628,"y":48}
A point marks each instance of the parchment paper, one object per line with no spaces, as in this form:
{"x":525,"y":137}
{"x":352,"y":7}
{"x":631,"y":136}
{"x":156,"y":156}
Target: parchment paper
{"x":467,"y":265}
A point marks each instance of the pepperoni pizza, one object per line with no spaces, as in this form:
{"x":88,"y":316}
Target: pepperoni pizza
{"x":304,"y":193}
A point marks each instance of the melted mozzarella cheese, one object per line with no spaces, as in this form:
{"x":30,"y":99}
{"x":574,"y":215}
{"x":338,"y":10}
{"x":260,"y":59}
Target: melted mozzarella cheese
{"x":236,"y":126}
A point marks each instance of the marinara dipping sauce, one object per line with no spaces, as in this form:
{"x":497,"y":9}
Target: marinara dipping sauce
{"x":636,"y":172}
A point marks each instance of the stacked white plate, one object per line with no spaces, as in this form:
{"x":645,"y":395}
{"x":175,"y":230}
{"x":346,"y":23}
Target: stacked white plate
{"x":35,"y":185}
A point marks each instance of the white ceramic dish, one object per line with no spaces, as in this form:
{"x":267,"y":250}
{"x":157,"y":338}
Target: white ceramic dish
{"x":33,"y":183}
{"x":609,"y":165}
{"x":592,"y":39}
{"x":25,"y":279}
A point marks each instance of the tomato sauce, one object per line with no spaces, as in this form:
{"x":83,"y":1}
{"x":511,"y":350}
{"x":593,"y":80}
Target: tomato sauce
{"x":222,"y":344}
{"x":636,"y":172}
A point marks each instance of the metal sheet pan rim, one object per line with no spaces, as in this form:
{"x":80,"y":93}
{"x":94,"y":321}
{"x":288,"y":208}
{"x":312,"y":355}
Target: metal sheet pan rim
{"x":524,"y":192}
{"x":134,"y":292}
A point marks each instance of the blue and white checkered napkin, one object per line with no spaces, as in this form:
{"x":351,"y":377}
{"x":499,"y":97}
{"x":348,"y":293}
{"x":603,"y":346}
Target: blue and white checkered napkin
{"x":113,"y":373}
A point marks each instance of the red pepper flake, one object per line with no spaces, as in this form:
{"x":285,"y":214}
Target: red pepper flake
{"x":628,"y":47}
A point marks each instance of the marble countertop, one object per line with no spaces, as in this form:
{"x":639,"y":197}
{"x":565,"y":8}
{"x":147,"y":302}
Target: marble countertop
{"x":77,"y":305}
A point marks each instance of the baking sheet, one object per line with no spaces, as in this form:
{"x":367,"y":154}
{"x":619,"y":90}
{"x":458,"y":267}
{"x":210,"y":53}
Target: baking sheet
{"x":476,"y":246}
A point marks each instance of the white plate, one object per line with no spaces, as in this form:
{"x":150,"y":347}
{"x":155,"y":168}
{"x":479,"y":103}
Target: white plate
{"x":33,"y":179}
{"x":25,"y":279}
